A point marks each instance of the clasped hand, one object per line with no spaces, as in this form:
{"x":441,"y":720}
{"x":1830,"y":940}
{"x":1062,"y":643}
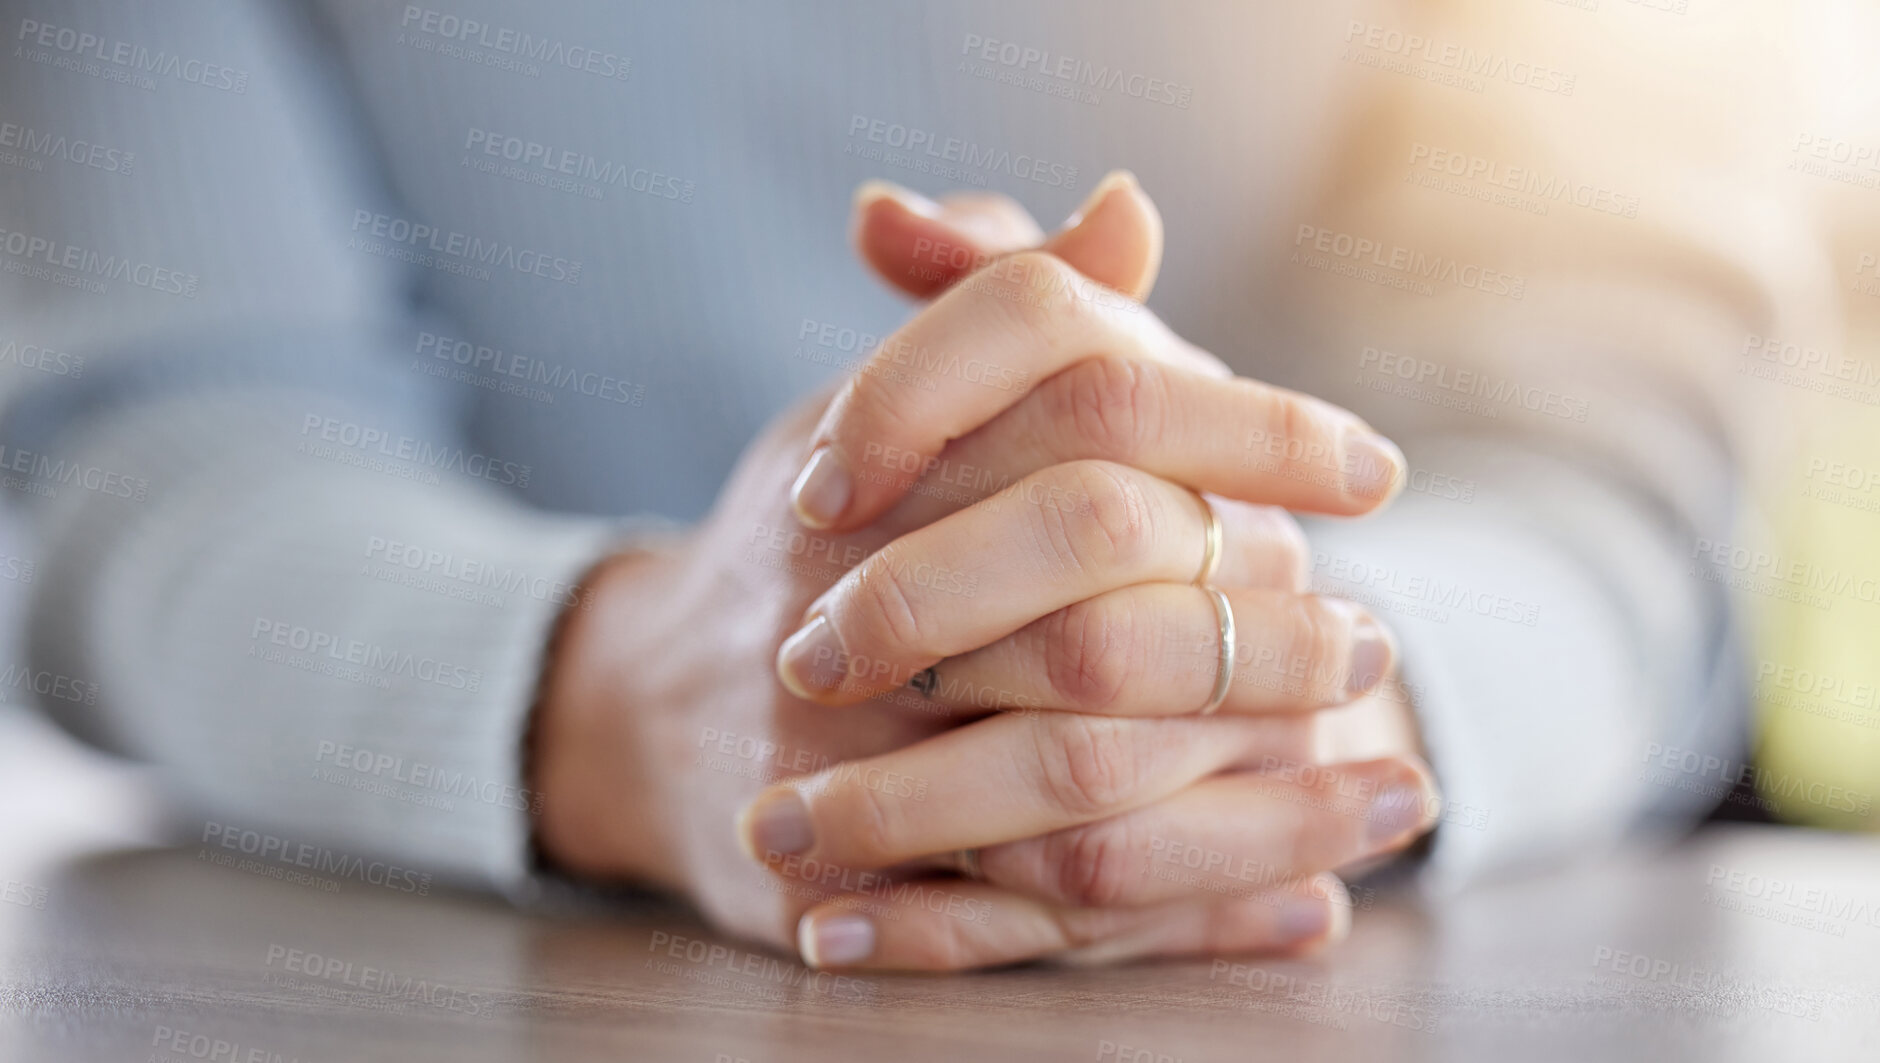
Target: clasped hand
{"x":924,"y":690}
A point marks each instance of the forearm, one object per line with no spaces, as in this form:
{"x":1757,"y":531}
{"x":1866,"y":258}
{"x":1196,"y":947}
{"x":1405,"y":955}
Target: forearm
{"x":307,"y":634}
{"x":1553,"y":635}
{"x":335,"y":652}
{"x":1574,"y":434}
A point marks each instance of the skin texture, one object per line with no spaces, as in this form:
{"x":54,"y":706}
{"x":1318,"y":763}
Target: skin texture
{"x":675,"y":753}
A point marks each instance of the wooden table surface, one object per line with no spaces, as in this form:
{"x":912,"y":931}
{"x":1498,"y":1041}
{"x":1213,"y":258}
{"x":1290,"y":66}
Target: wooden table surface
{"x":113,"y":948}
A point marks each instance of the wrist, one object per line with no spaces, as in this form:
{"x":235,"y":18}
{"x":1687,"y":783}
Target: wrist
{"x":594,"y":756}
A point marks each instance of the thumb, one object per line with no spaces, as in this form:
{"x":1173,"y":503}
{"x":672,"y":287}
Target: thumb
{"x":1115,"y":238}
{"x":923,"y":248}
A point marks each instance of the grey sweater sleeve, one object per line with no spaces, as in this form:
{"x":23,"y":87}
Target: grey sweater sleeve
{"x":271,"y":563}
{"x":1569,"y":647}
{"x":1554,"y":635}
{"x":1565,"y":371}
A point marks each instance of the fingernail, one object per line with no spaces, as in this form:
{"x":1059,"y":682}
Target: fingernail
{"x":835,"y":940}
{"x":1370,"y":657}
{"x":1396,"y":812}
{"x":1372,"y":465}
{"x":777,"y":823}
{"x":1112,"y":181}
{"x":910,"y":200}
{"x":1304,"y":918}
{"x":822,"y":489}
{"x":812,"y":661}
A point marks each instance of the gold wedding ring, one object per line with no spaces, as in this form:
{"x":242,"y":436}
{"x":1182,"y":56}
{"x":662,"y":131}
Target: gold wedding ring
{"x":1211,"y":546}
{"x":1224,"y":676}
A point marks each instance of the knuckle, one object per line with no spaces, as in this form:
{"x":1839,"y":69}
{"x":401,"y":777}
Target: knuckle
{"x":1089,"y":654}
{"x":1315,"y":644}
{"x":884,"y":613}
{"x":1302,"y":436}
{"x":939,"y":945}
{"x":948,"y":948}
{"x":1040,"y":289}
{"x":873,"y":823}
{"x":1054,"y":280}
{"x":1297,"y":738}
{"x":871,"y":400}
{"x":1294,"y":423}
{"x":1313,"y":844}
{"x":1088,"y":766}
{"x":1113,"y":404}
{"x":1292,"y":554}
{"x":1115,"y":519}
{"x":1082,"y":928}
{"x":1094,"y":866}
{"x":1332,"y":623}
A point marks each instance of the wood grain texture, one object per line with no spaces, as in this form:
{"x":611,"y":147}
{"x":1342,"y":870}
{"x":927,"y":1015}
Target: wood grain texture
{"x":110,"y":950}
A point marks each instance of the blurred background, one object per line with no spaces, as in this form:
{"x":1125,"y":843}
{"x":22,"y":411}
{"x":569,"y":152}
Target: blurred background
{"x":1679,"y":145}
{"x":1485,"y":225}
